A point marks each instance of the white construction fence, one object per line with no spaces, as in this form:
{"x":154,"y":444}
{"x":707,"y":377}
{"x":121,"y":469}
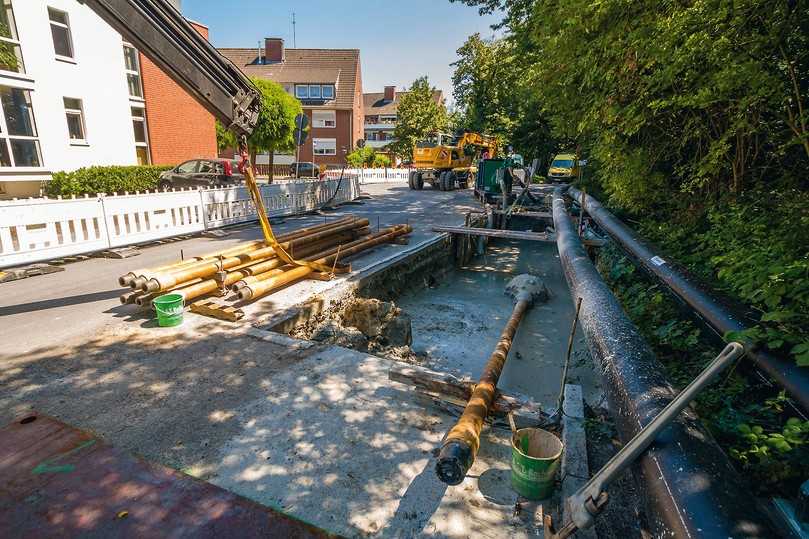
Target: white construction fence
{"x":372,"y":175}
{"x":38,"y":229}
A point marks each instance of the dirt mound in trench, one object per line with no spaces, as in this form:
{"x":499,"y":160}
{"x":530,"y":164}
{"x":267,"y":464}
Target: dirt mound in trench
{"x":368,"y":325}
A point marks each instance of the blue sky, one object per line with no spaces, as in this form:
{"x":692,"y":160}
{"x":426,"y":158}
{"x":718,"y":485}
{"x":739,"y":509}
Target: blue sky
{"x":398,"y":40}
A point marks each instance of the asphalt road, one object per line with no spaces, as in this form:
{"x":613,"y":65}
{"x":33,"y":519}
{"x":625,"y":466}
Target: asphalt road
{"x":45,"y":311}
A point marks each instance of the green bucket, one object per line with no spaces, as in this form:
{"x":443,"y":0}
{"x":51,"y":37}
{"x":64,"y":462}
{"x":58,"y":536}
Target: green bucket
{"x":535,"y":458}
{"x":169,"y":309}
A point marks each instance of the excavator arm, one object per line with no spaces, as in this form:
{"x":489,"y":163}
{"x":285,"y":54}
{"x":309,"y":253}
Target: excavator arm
{"x":160,"y":32}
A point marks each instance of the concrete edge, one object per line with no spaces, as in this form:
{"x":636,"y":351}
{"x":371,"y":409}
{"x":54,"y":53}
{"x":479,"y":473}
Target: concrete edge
{"x":575,"y":470}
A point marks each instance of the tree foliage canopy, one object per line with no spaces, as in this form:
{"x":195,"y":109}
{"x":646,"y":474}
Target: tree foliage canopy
{"x":419,"y":114}
{"x":700,"y":98}
{"x":276,"y":119}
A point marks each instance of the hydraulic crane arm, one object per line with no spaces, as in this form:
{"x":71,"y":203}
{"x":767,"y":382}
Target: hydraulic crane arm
{"x":160,"y":32}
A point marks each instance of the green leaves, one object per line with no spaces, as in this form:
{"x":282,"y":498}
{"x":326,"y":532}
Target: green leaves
{"x":93,"y":180}
{"x":276,"y":119}
{"x":419,"y":114}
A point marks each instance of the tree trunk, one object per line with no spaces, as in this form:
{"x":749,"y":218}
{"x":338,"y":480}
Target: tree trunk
{"x":272,"y":165}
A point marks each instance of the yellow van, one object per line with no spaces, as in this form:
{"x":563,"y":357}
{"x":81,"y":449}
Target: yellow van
{"x":564,"y":168}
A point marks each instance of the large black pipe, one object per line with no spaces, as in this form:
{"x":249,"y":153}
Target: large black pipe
{"x":786,"y":373}
{"x":685,"y":480}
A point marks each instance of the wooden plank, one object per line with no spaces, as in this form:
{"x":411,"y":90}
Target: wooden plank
{"x":456,"y":391}
{"x":534,"y":214}
{"x":492,"y":233}
{"x":211,"y":307}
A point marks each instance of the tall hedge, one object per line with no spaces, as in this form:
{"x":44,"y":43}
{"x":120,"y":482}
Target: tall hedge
{"x":113,"y":179}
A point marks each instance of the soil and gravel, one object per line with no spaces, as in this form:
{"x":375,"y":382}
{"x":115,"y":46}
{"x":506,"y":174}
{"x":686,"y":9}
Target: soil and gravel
{"x":367,"y":325}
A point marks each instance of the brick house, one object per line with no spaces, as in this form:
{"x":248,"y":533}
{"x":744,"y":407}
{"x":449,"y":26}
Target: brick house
{"x":381,"y":115}
{"x":179,"y":128}
{"x":327,"y":82}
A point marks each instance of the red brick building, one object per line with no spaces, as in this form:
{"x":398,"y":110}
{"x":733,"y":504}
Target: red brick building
{"x":178,"y":127}
{"x":328,"y":83}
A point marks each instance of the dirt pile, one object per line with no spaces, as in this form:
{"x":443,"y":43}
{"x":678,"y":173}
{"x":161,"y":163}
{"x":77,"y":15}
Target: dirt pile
{"x":368,"y":325}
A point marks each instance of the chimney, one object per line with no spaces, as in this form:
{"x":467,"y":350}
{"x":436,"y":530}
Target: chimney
{"x":273,"y":50}
{"x":390,"y":93}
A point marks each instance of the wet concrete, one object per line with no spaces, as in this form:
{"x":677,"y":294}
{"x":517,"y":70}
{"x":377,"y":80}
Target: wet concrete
{"x":458,"y":322}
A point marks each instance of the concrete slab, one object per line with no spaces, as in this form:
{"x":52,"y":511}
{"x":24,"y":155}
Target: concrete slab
{"x":336,"y":443}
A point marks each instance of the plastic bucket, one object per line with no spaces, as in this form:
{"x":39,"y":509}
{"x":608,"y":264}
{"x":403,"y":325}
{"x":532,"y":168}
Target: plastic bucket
{"x":169,"y":309}
{"x":535,"y":459}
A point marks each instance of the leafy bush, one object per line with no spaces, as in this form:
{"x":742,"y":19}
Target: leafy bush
{"x":381,"y":161}
{"x":754,"y":247}
{"x":112,"y":179}
{"x":747,"y":416}
{"x":367,"y":157}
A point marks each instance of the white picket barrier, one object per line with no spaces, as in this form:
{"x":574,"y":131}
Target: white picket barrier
{"x":40,"y":229}
{"x":146,"y":217}
{"x":227,"y":206}
{"x":34,"y":230}
{"x":372,"y":175}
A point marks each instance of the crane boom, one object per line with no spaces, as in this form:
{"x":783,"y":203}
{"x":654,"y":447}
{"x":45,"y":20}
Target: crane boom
{"x":159,"y":31}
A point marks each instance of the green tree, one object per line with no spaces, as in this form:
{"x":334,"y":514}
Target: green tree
{"x":419,"y":115}
{"x":361,"y":157}
{"x":225,"y":138}
{"x":276,"y":120}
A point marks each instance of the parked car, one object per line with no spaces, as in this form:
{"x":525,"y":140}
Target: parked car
{"x":305,"y":169}
{"x":202,"y":173}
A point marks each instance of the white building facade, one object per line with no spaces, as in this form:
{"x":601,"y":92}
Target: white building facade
{"x":70,"y":94}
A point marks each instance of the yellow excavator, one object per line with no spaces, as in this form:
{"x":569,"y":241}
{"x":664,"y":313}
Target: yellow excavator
{"x":447,"y":161}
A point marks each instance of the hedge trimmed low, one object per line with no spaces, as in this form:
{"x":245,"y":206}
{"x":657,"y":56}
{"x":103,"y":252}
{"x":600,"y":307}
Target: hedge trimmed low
{"x":113,"y":179}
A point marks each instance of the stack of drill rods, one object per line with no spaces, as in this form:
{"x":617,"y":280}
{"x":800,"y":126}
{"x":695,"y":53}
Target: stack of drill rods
{"x":208,"y":286}
{"x":264,"y":287}
{"x":128,"y":278}
{"x":207,"y":268}
{"x":200,"y":287}
{"x":136,"y":278}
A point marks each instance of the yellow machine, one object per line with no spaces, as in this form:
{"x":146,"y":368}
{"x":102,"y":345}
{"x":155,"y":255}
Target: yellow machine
{"x":445,"y":161}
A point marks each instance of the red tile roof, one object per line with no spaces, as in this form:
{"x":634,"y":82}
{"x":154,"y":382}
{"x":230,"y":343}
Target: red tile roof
{"x":338,"y":66}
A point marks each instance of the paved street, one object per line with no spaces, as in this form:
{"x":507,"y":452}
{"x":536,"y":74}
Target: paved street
{"x":45,"y":311}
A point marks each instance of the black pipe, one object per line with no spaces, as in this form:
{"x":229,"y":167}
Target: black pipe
{"x":685,"y":480}
{"x":786,"y":373}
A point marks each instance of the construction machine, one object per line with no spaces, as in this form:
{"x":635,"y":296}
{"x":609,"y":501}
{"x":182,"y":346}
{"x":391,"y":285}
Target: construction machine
{"x":159,"y":31}
{"x":446,"y":161}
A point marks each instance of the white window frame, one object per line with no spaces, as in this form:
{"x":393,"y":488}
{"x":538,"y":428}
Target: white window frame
{"x":145,"y":133}
{"x":72,"y":57}
{"x":6,"y":137}
{"x":136,"y":72}
{"x":324,"y":123}
{"x":333,"y":92}
{"x":388,"y":118}
{"x":14,"y":42}
{"x":80,"y":113}
{"x":315,"y":87}
{"x":304,"y":87}
{"x":318,"y":143}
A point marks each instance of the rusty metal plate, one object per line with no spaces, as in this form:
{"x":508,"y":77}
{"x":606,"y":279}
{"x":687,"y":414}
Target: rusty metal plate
{"x":56,"y":480}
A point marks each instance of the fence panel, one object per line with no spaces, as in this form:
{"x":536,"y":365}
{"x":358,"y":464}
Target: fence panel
{"x":372,"y":175}
{"x":41,"y":229}
{"x":227,"y":206}
{"x":34,"y":230}
{"x":146,"y":217}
